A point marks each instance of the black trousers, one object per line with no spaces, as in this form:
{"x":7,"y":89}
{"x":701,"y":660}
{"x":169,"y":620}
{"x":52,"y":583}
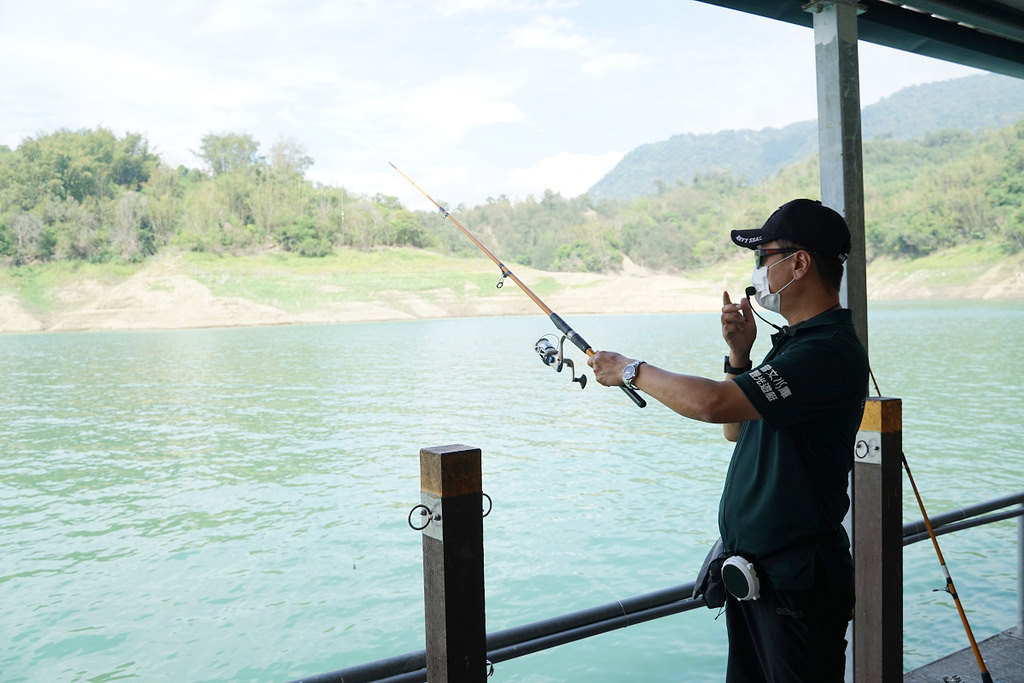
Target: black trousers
{"x":789,"y":636}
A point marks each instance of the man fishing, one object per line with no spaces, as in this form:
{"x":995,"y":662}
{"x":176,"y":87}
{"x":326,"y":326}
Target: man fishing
{"x":794,"y":418}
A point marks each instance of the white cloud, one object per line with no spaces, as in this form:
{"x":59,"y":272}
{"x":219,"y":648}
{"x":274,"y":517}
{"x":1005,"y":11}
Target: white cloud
{"x":454,"y":7}
{"x":561,"y":34}
{"x":566,"y":173}
{"x":235,"y":17}
{"x":451,"y":107}
{"x":550,"y":33}
{"x":598,"y":63}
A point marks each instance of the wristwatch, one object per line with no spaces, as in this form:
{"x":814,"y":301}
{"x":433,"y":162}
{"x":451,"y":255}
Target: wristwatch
{"x":730,"y":370}
{"x":629,"y":373}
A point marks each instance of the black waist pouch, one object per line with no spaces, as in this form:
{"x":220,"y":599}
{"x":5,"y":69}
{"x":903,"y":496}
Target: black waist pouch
{"x":741,"y":579}
{"x":709,"y":583}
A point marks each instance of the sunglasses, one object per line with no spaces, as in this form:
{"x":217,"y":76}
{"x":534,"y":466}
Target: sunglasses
{"x":759,"y":254}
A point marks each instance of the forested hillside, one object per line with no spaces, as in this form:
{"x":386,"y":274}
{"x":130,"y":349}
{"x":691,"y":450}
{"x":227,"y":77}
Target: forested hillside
{"x":950,"y":188}
{"x":91,"y":196}
{"x":973,"y":103}
{"x":87,"y":195}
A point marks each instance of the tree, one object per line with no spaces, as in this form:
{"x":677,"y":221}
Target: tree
{"x":79,"y":164}
{"x":289,"y":157}
{"x":229,"y":152}
{"x":131,"y":237}
{"x":281,"y":195}
{"x":27,"y":230}
{"x":132,"y":164}
{"x":165,"y":190}
{"x":78,"y":229}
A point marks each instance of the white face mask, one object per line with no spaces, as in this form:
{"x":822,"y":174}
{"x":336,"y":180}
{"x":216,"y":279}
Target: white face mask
{"x":763,"y":294}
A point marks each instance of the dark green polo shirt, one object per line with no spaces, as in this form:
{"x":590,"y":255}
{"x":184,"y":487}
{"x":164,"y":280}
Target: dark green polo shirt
{"x":787,"y":481}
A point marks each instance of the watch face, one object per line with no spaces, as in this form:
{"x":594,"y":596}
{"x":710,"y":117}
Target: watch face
{"x":629,"y":373}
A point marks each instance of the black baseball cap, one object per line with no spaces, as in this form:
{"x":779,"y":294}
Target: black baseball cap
{"x":806,"y":222}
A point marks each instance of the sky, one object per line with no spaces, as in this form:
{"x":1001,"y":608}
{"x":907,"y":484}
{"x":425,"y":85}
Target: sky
{"x":473,"y":99}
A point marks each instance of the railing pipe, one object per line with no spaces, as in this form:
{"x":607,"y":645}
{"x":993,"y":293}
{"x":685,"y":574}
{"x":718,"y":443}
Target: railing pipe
{"x":390,"y":670}
{"x":1020,"y":574}
{"x":529,"y":638}
{"x":909,"y":538}
{"x":964,"y":513}
{"x":542,"y":635}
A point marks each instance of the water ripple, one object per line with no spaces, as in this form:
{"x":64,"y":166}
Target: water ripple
{"x":230,"y":505}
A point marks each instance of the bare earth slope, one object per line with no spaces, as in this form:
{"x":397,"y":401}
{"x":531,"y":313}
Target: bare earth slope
{"x":163,"y":295}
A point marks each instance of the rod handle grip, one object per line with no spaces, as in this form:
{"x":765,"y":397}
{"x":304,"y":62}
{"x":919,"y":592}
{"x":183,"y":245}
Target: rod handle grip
{"x":637,"y":398}
{"x":583,"y":346}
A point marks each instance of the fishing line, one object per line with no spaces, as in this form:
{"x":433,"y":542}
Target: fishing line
{"x":367,"y":145}
{"x":550,"y":355}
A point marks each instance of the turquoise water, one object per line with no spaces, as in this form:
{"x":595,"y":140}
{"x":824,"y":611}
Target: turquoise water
{"x":230,"y":505}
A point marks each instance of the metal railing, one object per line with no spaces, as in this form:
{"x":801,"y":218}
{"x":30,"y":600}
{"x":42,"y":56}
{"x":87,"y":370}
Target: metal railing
{"x":957,"y":520}
{"x":542,"y":635}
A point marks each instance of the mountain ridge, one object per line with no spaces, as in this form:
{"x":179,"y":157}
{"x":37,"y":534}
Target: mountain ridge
{"x":970,"y":103}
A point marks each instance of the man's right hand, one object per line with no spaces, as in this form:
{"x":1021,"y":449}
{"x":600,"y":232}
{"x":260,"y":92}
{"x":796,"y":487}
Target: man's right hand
{"x":738,"y":329}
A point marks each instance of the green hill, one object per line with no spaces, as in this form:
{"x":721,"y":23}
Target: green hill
{"x":972,"y":103}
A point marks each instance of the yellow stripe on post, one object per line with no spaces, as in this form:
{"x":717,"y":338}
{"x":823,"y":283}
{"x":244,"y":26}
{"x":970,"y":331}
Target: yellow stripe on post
{"x":882,"y":415}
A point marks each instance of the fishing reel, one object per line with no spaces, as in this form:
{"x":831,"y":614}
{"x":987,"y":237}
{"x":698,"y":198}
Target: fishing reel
{"x":553,"y":356}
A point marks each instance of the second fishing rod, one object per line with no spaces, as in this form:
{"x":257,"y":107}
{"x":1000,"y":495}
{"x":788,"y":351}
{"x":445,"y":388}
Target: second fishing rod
{"x":548,"y":352}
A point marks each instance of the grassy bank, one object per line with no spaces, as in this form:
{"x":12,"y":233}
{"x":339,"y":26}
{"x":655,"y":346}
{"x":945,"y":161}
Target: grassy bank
{"x":38,"y":287}
{"x":283,"y":280}
{"x":297,"y":284}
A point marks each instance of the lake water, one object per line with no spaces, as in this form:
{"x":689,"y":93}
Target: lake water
{"x":231,"y":504}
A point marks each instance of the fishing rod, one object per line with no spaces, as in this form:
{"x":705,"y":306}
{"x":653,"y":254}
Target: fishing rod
{"x":949,"y":588}
{"x":986,"y":677}
{"x":549,"y":354}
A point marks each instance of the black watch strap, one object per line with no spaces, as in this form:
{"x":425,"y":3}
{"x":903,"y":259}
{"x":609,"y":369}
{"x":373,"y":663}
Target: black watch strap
{"x":730,"y":370}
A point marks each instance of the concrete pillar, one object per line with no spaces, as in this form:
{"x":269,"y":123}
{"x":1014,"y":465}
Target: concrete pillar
{"x":839,"y":139}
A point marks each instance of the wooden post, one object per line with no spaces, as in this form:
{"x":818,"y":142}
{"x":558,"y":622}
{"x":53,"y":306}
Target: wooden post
{"x":453,"y":564}
{"x":878,"y":543}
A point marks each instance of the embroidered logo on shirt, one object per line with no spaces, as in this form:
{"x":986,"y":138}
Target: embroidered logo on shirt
{"x":771,"y":383}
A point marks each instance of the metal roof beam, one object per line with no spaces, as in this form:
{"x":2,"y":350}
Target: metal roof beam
{"x":998,"y":18}
{"x":903,"y":28}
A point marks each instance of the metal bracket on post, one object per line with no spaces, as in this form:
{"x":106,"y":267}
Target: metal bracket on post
{"x":430,"y":511}
{"x":868,"y":448}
